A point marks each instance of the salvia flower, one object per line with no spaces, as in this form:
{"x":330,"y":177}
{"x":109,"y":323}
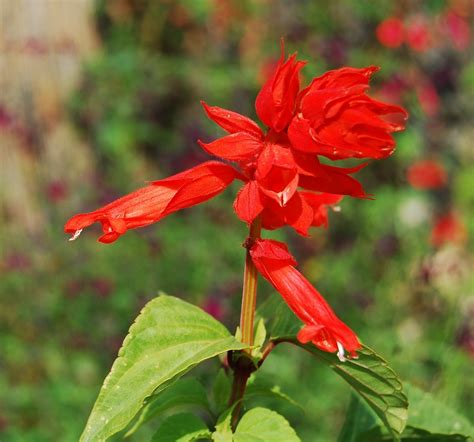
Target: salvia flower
{"x":322,"y":327}
{"x":152,"y":203}
{"x":285,"y":183}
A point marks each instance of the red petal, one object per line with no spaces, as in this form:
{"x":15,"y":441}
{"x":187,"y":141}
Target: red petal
{"x":236,"y":147}
{"x":297,"y":214}
{"x":277,"y":173}
{"x":249,"y":202}
{"x":325,"y":329}
{"x":276,"y":100}
{"x":231,"y":121}
{"x":319,"y":203}
{"x":152,"y":203}
{"x":330,"y":179}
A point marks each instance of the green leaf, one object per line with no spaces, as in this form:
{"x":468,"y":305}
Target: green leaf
{"x":428,"y":413}
{"x":223,"y":432}
{"x":264,"y":425}
{"x":258,"y":388}
{"x":359,"y":419}
{"x":428,"y":421}
{"x":280,"y":320}
{"x":168,"y":338}
{"x":370,"y":375}
{"x":374,"y":380}
{"x":187,"y":392}
{"x":182,"y":427}
{"x":411,"y":434}
{"x":221,"y":391}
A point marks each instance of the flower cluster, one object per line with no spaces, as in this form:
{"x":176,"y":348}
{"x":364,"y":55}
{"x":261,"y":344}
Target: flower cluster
{"x":285,"y":181}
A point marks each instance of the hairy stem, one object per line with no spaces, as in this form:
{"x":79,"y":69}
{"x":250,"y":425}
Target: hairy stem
{"x":243,"y":366}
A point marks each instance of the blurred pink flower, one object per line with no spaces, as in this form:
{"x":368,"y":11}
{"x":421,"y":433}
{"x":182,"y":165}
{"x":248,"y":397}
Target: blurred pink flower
{"x":214,"y":307}
{"x":56,"y":191}
{"x":457,"y":30}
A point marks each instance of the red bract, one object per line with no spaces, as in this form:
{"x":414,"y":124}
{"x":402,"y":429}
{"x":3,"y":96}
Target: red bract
{"x":322,"y":327}
{"x":152,"y":203}
{"x":427,"y":174}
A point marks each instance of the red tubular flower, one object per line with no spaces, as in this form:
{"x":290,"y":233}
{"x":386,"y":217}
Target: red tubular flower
{"x":152,"y":203}
{"x":322,"y":327}
{"x":336,"y":119}
{"x":427,"y":174}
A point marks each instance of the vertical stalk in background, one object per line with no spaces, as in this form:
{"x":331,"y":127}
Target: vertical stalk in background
{"x":249,"y":290}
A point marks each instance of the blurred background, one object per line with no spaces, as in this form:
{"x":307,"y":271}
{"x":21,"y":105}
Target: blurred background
{"x":98,"y":97}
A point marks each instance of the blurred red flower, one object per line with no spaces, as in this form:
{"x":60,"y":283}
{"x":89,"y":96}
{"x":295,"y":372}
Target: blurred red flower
{"x":427,"y":174}
{"x":428,"y":97}
{"x":390,"y":32}
{"x":418,"y":34}
{"x":457,"y":30}
{"x":322,"y":327}
{"x":448,"y":228}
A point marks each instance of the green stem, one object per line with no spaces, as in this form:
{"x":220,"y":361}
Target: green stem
{"x":243,"y":366}
{"x":249,"y":291}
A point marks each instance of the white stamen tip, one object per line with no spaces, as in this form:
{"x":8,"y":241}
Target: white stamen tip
{"x":340,"y":352}
{"x":76,"y":235}
{"x":336,"y":208}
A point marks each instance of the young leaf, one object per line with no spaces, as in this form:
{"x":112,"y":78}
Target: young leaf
{"x":186,"y":392}
{"x":182,"y":427}
{"x":264,"y":425}
{"x":168,"y":338}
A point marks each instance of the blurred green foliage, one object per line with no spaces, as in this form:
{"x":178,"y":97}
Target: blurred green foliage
{"x":64,"y":309}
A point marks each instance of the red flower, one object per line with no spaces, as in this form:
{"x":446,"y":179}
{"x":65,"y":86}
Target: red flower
{"x":338,"y":120}
{"x":418,"y":35}
{"x":448,"y":228}
{"x":285,"y":182}
{"x":428,"y":97}
{"x":427,"y":174}
{"x":390,"y":32}
{"x":152,"y":203}
{"x":457,"y":30}
{"x":322,"y":327}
